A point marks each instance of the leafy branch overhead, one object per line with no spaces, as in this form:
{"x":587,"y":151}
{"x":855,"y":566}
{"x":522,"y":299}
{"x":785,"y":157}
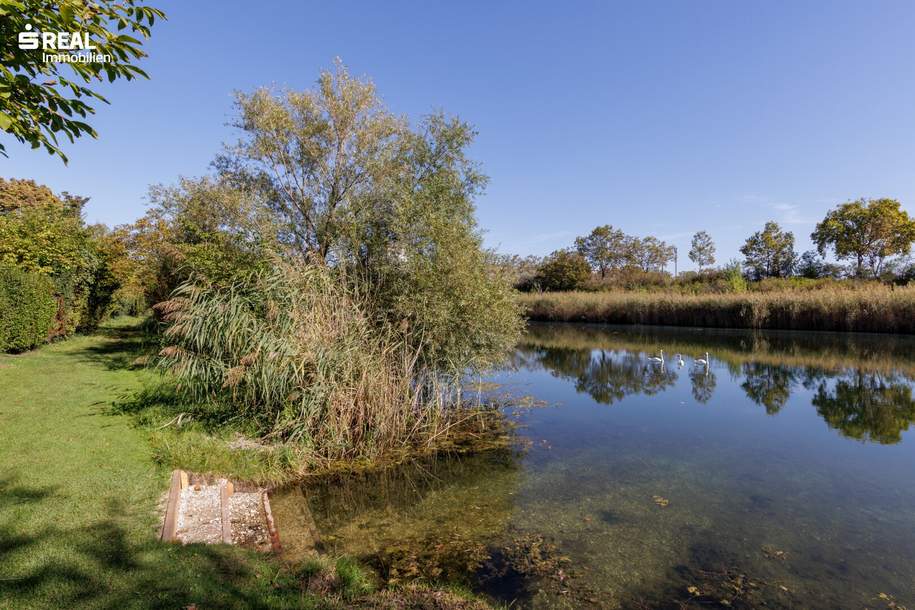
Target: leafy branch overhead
{"x":40,"y":101}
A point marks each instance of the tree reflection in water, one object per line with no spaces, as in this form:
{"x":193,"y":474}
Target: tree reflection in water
{"x":867,"y":406}
{"x":605,"y":375}
{"x":768,"y":384}
{"x":855,"y":392}
{"x":703,"y":382}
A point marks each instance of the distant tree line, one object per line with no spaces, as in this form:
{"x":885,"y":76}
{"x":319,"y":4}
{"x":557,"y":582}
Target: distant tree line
{"x":874,"y":236}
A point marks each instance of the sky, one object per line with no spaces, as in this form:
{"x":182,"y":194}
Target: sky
{"x":660,"y":118}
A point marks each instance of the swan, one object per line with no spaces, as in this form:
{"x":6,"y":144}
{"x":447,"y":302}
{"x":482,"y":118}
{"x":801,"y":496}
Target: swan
{"x":703,"y":361}
{"x":657,"y":359}
{"x":680,"y":360}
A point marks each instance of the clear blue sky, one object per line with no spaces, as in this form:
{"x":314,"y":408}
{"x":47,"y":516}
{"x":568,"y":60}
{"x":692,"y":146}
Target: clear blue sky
{"x":657,"y":117}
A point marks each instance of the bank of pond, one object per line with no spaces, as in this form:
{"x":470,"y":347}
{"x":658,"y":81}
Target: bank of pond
{"x":776,"y":475}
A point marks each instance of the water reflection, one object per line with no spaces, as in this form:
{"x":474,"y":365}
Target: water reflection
{"x":768,"y":385}
{"x":867,"y":406}
{"x":862,"y":389}
{"x":703,"y":382}
{"x":605,"y":375}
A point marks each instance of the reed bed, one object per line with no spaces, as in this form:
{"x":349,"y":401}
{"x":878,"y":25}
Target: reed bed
{"x":295,"y":355}
{"x":884,"y":309}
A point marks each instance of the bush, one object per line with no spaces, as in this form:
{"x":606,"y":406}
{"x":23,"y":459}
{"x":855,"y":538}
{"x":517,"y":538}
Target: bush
{"x":45,"y":234}
{"x":736,"y":281}
{"x":563,"y":270}
{"x":27,"y":308}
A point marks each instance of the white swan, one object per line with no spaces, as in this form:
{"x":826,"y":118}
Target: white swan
{"x":657,"y":359}
{"x":703,"y":362}
{"x":680,"y":360}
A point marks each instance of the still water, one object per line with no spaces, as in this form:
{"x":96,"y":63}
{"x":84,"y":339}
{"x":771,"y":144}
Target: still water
{"x":778,"y":475}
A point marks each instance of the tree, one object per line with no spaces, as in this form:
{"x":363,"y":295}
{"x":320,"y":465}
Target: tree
{"x":16,"y":194}
{"x":604,"y":249}
{"x":563,"y":270}
{"x":520,"y":271}
{"x":811,"y":266}
{"x":202,"y":226}
{"x":702,"y":252}
{"x":770,"y":252}
{"x":328,"y":160}
{"x":353,"y":187}
{"x":867,"y":232}
{"x":38,"y":98}
{"x":650,"y":253}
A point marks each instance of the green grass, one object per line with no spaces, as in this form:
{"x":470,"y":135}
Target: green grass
{"x":874,"y":308}
{"x":79,"y":486}
{"x":78,"y":493}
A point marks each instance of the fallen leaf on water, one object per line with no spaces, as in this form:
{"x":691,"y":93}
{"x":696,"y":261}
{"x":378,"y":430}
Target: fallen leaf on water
{"x":660,"y":500}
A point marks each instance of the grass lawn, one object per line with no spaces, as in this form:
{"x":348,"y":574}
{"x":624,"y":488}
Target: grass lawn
{"x":79,"y":488}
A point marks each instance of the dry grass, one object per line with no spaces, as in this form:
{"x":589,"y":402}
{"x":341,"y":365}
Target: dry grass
{"x":874,"y":309}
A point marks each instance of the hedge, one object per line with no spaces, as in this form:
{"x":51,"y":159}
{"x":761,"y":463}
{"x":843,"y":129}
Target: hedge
{"x":27,"y":309}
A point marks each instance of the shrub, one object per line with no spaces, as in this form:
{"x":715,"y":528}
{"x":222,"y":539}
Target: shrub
{"x":736,"y":282}
{"x":44,"y":233}
{"x":27,"y":308}
{"x":563,"y":270}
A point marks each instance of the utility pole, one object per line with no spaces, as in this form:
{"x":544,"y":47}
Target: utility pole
{"x":676,"y":257}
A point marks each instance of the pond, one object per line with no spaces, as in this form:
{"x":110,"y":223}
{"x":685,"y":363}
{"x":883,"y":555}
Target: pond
{"x":779,"y":474}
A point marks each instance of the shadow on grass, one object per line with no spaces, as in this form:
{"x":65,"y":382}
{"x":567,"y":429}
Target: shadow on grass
{"x":103,"y":566}
{"x":124,"y":344}
{"x":132,"y":347}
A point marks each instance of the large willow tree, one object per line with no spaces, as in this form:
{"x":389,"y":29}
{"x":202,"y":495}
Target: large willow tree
{"x":388,"y":207}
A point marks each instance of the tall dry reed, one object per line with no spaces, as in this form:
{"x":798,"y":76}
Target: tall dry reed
{"x":874,"y":309}
{"x":294,"y":351}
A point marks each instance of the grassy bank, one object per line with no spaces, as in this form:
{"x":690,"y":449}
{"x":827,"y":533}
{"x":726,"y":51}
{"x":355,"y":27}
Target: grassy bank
{"x":876,"y":309}
{"x":79,"y":485}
